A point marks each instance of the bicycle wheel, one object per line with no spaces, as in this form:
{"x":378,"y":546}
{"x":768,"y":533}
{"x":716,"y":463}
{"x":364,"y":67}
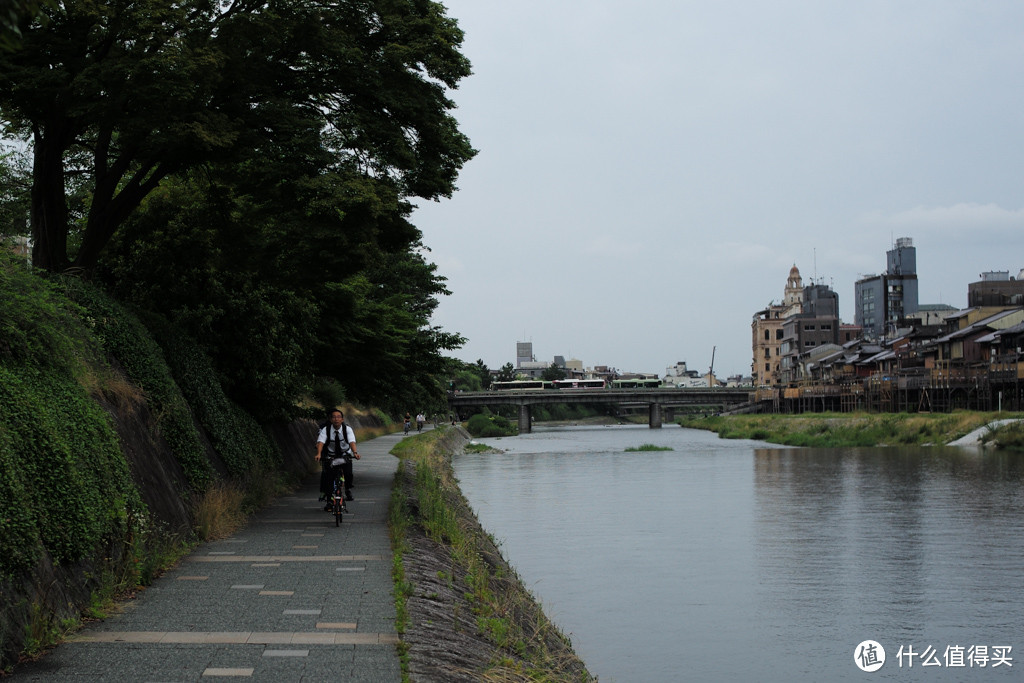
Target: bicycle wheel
{"x":337,"y":510}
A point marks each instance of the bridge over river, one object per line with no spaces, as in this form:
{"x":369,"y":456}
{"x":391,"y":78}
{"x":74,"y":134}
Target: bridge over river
{"x":659,"y":402}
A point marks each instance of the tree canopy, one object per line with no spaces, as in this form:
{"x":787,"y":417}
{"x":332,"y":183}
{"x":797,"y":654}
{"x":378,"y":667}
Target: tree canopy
{"x":116,"y":96}
{"x":247,"y":170}
{"x":552,"y":373}
{"x":506,"y":373}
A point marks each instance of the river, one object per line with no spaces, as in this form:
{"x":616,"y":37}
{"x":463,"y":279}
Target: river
{"x":739,"y":560}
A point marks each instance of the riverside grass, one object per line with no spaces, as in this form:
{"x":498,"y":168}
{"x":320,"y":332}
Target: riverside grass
{"x":833,"y":430}
{"x":506,"y":614}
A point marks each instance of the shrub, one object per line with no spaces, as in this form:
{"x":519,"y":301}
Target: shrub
{"x":483,"y":425}
{"x":328,"y":392}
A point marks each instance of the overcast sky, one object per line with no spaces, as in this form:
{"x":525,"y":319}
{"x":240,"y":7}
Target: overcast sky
{"x":649,"y":171}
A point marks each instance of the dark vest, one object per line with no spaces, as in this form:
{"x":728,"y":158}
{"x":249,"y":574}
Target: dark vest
{"x":338,"y":441}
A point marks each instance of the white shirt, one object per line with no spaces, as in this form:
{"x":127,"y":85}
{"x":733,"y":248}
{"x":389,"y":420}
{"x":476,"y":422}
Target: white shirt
{"x":326,"y":436}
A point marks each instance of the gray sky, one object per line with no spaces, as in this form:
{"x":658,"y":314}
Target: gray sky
{"x":649,"y":171}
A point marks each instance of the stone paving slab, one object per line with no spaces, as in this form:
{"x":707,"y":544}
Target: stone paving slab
{"x":290,"y":597}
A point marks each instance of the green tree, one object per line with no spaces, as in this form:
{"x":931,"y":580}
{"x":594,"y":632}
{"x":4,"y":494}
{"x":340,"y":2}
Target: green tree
{"x":115,"y":97}
{"x":481,"y":369}
{"x":277,"y":299}
{"x":13,"y":13}
{"x":552,"y":373}
{"x":467,"y":380}
{"x":506,"y":373}
{"x":261,"y":204}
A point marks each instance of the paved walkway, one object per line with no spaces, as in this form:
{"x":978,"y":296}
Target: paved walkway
{"x":290,"y":597}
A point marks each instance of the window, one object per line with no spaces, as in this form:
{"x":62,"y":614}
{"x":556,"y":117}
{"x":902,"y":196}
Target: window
{"x":778,"y":333}
{"x":826,"y":326}
{"x":767,"y":334}
{"x":808,"y":328}
{"x":808,"y":343}
{"x":767,"y":353}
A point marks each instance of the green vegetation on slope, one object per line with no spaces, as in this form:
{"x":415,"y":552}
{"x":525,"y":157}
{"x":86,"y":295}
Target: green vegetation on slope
{"x":1008,"y":437}
{"x":121,"y":335}
{"x":64,"y":484}
{"x":70,"y":510}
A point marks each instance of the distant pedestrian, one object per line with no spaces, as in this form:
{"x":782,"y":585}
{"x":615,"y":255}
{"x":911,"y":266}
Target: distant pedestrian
{"x":420,"y":419}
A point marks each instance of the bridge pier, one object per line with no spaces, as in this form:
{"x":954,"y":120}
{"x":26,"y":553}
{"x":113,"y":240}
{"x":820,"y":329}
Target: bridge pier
{"x":654,"y":415}
{"x":525,"y":419}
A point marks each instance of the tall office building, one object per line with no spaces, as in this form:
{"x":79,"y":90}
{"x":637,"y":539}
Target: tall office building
{"x":882,"y":302}
{"x":524,"y":353}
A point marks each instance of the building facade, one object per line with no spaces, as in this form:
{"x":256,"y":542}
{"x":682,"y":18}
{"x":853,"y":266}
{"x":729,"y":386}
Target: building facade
{"x":803,"y":333}
{"x":882,"y":302}
{"x":766,"y":332}
{"x":996,"y":288}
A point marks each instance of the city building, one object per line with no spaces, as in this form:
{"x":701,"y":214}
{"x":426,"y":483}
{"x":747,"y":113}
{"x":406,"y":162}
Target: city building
{"x":679,"y":376}
{"x":931,"y":314}
{"x":997,"y":288}
{"x":816,"y":325}
{"x":766,"y":331}
{"x":882,"y":302}
{"x":524,"y":353}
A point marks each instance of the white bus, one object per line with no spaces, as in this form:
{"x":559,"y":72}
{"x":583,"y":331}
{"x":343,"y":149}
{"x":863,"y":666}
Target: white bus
{"x":579,"y":384}
{"x":521,"y":385}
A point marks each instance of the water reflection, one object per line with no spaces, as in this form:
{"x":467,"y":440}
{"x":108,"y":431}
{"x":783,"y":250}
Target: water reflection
{"x":726,"y":560}
{"x":902,"y":545}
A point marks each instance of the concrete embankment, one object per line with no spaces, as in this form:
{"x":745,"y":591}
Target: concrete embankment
{"x":974,"y":438}
{"x":469,"y":616}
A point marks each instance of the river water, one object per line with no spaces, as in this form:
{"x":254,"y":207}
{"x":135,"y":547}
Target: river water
{"x":738,"y":560}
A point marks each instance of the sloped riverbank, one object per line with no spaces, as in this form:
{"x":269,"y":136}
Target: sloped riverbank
{"x":826,"y":430}
{"x":464,"y":614}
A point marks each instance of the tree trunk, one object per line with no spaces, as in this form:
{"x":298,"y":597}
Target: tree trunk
{"x":49,"y":213}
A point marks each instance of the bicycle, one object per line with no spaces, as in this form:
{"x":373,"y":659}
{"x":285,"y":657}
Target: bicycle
{"x":337,"y":504}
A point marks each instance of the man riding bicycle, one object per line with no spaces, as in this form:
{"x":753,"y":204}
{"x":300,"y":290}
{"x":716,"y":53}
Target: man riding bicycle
{"x":336,"y":446}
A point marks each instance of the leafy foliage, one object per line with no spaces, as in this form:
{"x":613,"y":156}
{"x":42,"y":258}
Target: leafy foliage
{"x":466,"y":379}
{"x":235,"y":435}
{"x":122,"y":336}
{"x":261,"y":205}
{"x":506,"y":373}
{"x":486,"y":425}
{"x":842,"y":429}
{"x":483,"y":372}
{"x":15,"y":185}
{"x":118,"y":96}
{"x":64,"y":484}
{"x":12,"y":12}
{"x":271,"y":317}
{"x":552,"y":373}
